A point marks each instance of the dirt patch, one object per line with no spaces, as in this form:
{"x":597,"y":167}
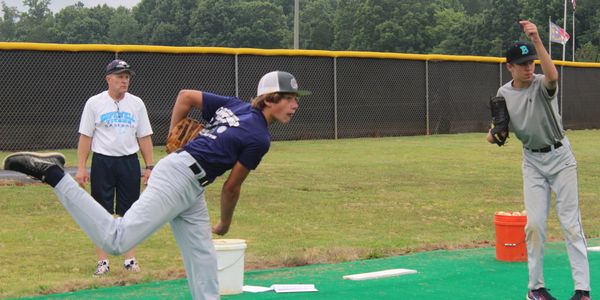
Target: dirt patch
{"x":117,"y":278}
{"x":8,"y":182}
{"x":341,"y":254}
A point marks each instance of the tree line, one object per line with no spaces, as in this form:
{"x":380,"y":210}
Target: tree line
{"x":456,"y":27}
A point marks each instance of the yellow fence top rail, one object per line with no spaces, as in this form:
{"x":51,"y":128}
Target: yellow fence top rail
{"x":262,"y":52}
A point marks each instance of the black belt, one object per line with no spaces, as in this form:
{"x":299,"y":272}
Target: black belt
{"x":547,"y":148}
{"x":204,"y":181}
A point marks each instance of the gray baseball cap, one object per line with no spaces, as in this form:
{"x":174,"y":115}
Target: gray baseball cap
{"x":279,"y":82}
{"x":118,"y":66}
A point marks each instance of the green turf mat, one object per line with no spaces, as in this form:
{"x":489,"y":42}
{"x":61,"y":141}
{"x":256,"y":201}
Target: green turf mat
{"x":460,"y":274}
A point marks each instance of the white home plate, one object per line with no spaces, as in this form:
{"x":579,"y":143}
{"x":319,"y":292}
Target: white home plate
{"x":594,"y":249}
{"x":380,"y":274}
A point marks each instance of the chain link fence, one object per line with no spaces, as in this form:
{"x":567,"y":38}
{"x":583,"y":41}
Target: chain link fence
{"x":355,"y":94}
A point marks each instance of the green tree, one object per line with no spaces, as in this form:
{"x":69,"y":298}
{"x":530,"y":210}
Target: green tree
{"x":449,"y":32}
{"x":316,"y":24}
{"x":167,"y":17}
{"x":123,"y":28}
{"x":34,"y":25}
{"x":76,"y":24}
{"x":588,"y":53}
{"x":385,"y":25}
{"x":239,"y":24}
{"x":587,"y":25}
{"x":473,"y":7}
{"x":499,"y":26}
{"x":367,"y":17}
{"x":413,"y":17}
{"x":344,"y":23}
{"x":8,"y":26}
{"x":165,"y":34}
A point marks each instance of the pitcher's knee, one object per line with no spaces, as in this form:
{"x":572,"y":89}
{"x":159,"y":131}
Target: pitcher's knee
{"x":534,"y":231}
{"x":573,"y":233}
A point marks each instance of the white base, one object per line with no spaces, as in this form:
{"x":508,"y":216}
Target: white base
{"x":594,"y":249}
{"x":380,"y":274}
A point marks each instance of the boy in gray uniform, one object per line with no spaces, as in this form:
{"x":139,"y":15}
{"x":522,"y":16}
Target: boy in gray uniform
{"x":548,"y":161}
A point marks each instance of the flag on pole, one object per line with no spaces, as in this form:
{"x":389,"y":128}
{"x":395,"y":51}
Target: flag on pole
{"x":573,"y":1}
{"x":558,"y":35}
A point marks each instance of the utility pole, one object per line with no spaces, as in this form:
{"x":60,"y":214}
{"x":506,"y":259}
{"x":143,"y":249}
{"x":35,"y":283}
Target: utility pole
{"x":296,"y":24}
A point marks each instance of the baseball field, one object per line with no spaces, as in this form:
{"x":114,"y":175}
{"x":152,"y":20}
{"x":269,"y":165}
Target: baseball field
{"x":319,"y":210}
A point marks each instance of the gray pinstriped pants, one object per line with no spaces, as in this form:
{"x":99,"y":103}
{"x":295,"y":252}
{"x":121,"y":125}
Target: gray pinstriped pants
{"x":173,"y":195}
{"x":543,"y":173}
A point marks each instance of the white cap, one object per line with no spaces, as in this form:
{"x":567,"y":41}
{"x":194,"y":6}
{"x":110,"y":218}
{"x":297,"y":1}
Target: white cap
{"x":279,"y":82}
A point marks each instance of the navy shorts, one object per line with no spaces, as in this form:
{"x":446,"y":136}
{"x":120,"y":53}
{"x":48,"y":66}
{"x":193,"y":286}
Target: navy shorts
{"x":112,"y":174}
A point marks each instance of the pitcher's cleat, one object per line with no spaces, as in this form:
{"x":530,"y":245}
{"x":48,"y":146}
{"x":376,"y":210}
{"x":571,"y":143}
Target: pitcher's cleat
{"x":581,"y":295}
{"x":539,"y":294}
{"x":34,"y":164}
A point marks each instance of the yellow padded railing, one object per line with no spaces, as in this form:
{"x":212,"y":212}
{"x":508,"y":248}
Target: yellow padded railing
{"x":263,"y":52}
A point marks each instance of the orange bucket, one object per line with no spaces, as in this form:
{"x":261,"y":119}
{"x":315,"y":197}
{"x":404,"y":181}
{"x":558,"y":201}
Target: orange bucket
{"x":510,"y":238}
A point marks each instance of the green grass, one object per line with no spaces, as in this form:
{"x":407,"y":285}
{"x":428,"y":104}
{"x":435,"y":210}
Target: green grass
{"x":308,"y":202}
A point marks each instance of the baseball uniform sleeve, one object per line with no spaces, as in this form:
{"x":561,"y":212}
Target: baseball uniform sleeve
{"x":88,"y":120}
{"x":144,"y":127}
{"x":252,"y":154}
{"x":211,"y":103}
{"x":543,"y":90}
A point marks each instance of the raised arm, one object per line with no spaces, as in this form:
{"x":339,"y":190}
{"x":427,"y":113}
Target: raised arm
{"x":186,"y":99}
{"x":550,"y":72}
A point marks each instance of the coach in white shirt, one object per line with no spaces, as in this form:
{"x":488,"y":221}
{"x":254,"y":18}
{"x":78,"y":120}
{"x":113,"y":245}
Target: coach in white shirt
{"x":114,"y":126}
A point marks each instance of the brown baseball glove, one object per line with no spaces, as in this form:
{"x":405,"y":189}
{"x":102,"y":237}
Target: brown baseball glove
{"x":183,"y":132}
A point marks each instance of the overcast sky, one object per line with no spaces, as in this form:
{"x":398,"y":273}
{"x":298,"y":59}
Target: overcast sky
{"x":57,"y":5}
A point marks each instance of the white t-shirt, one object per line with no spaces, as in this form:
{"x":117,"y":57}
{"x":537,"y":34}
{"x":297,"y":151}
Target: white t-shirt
{"x":115,"y":126}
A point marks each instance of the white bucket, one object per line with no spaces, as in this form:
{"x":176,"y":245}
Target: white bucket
{"x":230,"y":263}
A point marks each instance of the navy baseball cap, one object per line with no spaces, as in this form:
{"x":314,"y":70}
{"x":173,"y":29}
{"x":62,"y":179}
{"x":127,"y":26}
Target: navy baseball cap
{"x":520,"y":52}
{"x":118,"y":66}
{"x":279,"y":82}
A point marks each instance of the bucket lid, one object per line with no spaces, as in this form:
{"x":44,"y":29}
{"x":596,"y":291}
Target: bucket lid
{"x":229,"y":244}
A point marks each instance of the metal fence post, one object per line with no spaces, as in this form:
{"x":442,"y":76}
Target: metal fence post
{"x":427,"y":97}
{"x":335,"y":105}
{"x":237,"y":80}
{"x":500,"y":70}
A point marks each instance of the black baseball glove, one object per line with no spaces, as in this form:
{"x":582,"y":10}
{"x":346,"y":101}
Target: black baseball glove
{"x":500,"y":120}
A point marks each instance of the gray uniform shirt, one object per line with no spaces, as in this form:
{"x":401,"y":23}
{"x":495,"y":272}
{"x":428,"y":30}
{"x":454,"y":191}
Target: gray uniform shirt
{"x":534,"y":117}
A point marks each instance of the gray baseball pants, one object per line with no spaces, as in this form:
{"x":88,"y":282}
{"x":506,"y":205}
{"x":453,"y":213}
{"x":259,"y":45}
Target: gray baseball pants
{"x":173,"y":195}
{"x":543,"y":173}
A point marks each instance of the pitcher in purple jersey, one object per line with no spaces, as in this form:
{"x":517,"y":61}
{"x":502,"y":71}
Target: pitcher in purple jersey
{"x":236,"y":138}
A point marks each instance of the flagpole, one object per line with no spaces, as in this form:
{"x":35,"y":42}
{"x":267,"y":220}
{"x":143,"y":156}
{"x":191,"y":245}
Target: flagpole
{"x":550,"y":36}
{"x":564,"y":26}
{"x":563,"y":58}
{"x":573,"y":34}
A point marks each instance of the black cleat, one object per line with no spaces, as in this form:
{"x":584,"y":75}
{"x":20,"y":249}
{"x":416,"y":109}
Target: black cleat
{"x":581,"y":295}
{"x":539,"y":294}
{"x":34,"y":164}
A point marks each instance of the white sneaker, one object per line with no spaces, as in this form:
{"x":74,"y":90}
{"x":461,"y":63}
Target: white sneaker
{"x":131,"y":265}
{"x":102,"y":268}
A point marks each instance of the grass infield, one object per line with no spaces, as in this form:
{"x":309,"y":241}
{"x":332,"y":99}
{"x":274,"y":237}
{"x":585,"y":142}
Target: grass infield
{"x":309,"y":202}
